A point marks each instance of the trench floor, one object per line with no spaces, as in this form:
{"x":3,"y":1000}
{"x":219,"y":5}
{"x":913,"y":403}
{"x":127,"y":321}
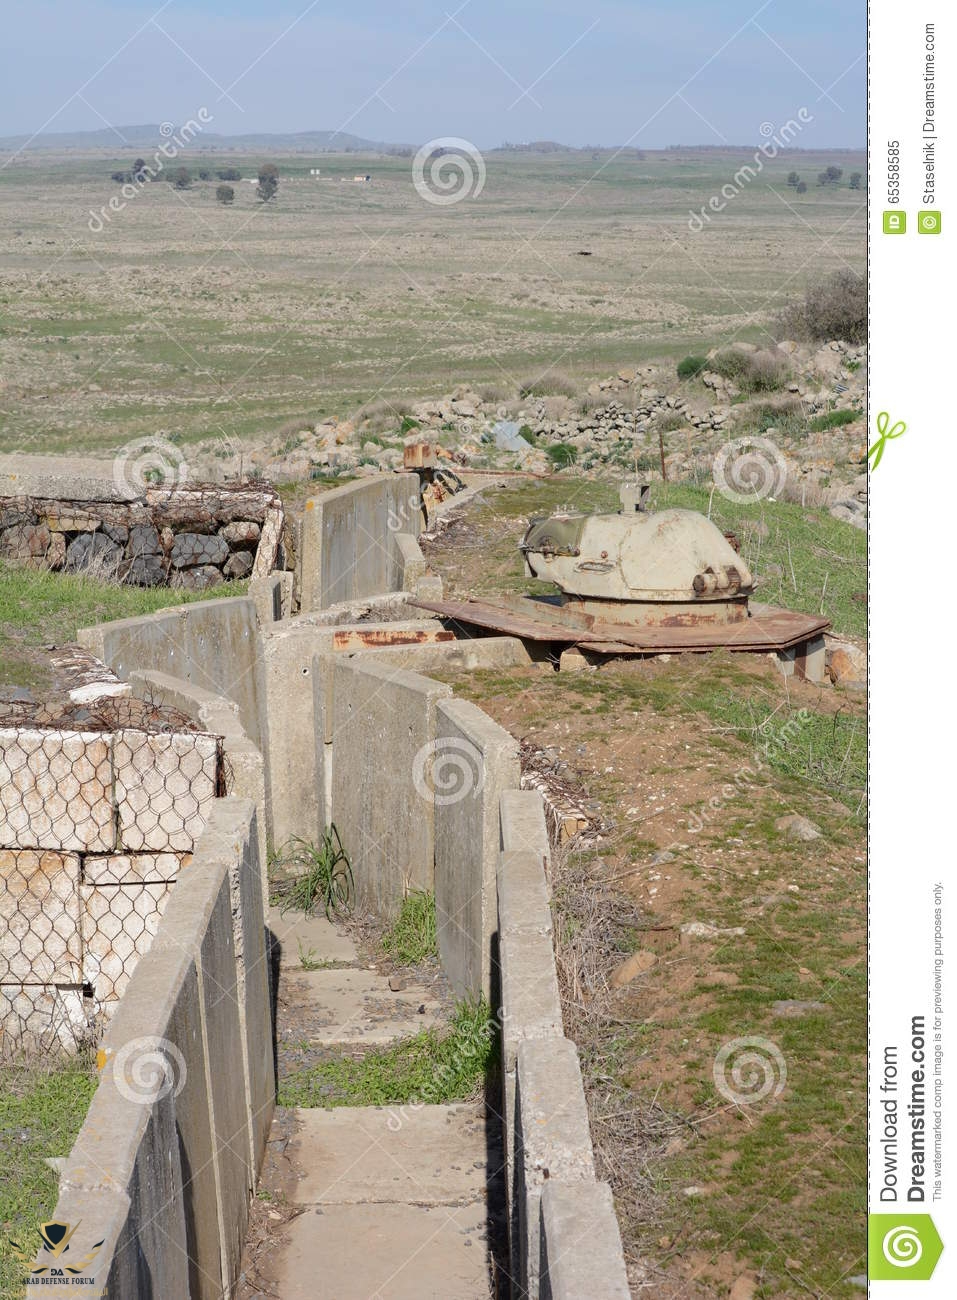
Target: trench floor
{"x":367,"y":1202}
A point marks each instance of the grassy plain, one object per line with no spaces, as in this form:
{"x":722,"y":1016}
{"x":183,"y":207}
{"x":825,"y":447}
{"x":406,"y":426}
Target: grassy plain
{"x":195,"y":320}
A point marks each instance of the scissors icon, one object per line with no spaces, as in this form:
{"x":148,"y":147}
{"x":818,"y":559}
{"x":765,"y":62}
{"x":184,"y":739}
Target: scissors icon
{"x":887,"y":431}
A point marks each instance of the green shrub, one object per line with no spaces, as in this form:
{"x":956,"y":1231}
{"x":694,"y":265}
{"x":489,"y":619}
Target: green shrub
{"x":323,"y":874}
{"x":833,"y":419}
{"x":408,"y":424}
{"x":526,"y":432}
{"x":753,"y":372}
{"x":562,"y":454}
{"x":690,"y":367}
{"x":834,"y":308}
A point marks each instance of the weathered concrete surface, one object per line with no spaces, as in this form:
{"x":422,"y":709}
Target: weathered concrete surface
{"x":309,"y":938}
{"x":164,"y":787}
{"x":357,"y":1007}
{"x":384,"y":720}
{"x":70,"y":478}
{"x":408,"y":1252}
{"x":412,"y":564}
{"x":552,"y":1142}
{"x":523,"y":824}
{"x":348,"y":547}
{"x":581,"y":1253}
{"x":530,"y":995}
{"x":397,"y":1206}
{"x":456,"y":656}
{"x":475,"y":761}
{"x":101,"y":1216}
{"x":430,"y":1155}
{"x":55,"y":790}
{"x":522,"y":895}
{"x":214,"y":644}
{"x":40,"y":937}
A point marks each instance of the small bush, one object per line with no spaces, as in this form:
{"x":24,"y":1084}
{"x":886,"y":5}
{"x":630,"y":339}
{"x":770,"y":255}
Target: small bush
{"x":562,"y":454}
{"x":526,"y":432}
{"x":413,"y":939}
{"x":836,"y":308}
{"x":408,"y":424}
{"x":670,"y":422}
{"x":801,"y":187}
{"x":690,"y":367}
{"x":753,"y":372}
{"x":225,"y":193}
{"x":230,"y":174}
{"x":549,"y":384}
{"x":833,"y":419}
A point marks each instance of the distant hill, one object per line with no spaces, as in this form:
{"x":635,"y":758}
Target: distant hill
{"x":151,"y":136}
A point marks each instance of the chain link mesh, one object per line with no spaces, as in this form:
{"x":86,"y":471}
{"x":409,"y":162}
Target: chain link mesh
{"x":95,"y":826}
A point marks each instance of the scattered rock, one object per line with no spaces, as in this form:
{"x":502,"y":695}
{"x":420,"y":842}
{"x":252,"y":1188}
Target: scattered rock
{"x":396,"y":983}
{"x":791,"y":1008}
{"x":630,"y":969}
{"x":199,"y":578}
{"x":91,"y":550}
{"x":239,"y":565}
{"x":796,"y":827}
{"x":240,"y":533}
{"x":702,"y":930}
{"x":192,"y":549}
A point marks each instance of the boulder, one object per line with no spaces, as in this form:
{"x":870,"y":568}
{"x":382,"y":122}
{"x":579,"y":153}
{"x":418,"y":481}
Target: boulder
{"x":93,"y":550}
{"x":241,"y":532}
{"x":144,"y":571}
{"x":192,"y":550}
{"x":796,"y":827}
{"x":143,"y":540}
{"x":239,"y":565}
{"x":197,"y":579}
{"x":25,"y":542}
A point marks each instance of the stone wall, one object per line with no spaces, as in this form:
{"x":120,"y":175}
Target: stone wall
{"x":189,"y":538}
{"x":95,"y":827}
{"x":164,"y":1166}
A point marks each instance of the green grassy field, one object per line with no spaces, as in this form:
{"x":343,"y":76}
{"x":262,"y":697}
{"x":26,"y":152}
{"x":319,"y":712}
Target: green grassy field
{"x":198,"y":321}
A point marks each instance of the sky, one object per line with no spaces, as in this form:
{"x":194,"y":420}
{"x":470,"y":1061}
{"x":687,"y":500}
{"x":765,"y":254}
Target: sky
{"x":607,"y":72}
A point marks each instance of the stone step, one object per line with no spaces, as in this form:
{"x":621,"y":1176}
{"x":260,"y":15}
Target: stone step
{"x":310,"y":938}
{"x":395,"y":1206}
{"x":354,"y":1007}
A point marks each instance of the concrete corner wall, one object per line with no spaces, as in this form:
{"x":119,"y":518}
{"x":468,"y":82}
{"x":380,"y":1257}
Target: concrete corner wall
{"x":474,"y":762}
{"x":165,"y":1163}
{"x":581,"y":1252}
{"x":213,"y":644}
{"x":348,"y":543}
{"x":383,"y":736}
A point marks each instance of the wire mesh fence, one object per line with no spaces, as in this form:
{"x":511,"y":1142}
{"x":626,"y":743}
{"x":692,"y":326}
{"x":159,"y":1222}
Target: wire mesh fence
{"x":95,"y":826}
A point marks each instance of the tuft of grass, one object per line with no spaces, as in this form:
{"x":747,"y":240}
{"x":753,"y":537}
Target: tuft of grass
{"x":834,"y":419}
{"x":322,"y":873}
{"x":41,"y":1111}
{"x":412,"y":939}
{"x":562,"y":454}
{"x":429,"y":1069}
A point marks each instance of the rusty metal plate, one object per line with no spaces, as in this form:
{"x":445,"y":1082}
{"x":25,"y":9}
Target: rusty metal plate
{"x":375,"y":638}
{"x":768,"y":629}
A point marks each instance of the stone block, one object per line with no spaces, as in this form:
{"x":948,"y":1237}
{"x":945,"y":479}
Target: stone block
{"x":581,"y":1252}
{"x":118,"y":924}
{"x":165,"y":784}
{"x":94,"y":551}
{"x":239,"y":565}
{"x":552,"y":1142}
{"x":522,"y":894}
{"x":40,"y":938}
{"x":531,"y":1002}
{"x":473,"y":761}
{"x":55,"y":790}
{"x":191,"y":550}
{"x":523,"y":823}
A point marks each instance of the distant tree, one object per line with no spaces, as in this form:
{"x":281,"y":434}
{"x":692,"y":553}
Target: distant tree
{"x":855,"y":181}
{"x":182,"y":178}
{"x":834,"y":174}
{"x":230,"y":174}
{"x":121,"y":178}
{"x":139,"y":169}
{"x":225,"y":193}
{"x":801,"y":187}
{"x":822,"y":178}
{"x":793,"y":178}
{"x":268,"y":182}
{"x":205,"y":174}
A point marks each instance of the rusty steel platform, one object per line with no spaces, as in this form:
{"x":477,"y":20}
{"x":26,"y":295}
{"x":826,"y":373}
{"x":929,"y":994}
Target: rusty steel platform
{"x":531,"y":619}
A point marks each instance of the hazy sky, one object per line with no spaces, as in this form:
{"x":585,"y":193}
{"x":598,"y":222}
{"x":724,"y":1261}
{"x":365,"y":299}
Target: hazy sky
{"x":585,"y":72}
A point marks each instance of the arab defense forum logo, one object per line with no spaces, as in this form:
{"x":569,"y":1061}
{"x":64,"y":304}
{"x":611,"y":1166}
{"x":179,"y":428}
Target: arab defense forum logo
{"x":902,"y":1247}
{"x":55,"y":1242}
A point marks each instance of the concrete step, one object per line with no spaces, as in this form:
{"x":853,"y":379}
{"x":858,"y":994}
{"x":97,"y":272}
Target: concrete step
{"x":352,"y":1007}
{"x":310,"y":938}
{"x":394,"y":1206}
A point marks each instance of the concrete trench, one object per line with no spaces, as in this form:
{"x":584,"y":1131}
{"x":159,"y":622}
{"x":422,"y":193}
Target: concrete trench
{"x":398,"y":1203}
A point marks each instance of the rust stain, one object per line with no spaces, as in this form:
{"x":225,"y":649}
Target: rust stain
{"x":379,"y":636}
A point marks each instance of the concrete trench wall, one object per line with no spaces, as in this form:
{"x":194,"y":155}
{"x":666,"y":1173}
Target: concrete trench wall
{"x":166,"y":1161}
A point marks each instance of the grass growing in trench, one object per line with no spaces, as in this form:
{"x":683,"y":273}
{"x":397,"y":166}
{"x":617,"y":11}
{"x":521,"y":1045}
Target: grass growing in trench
{"x":412,"y":939}
{"x":430,"y":1068}
{"x":41,"y":1111}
